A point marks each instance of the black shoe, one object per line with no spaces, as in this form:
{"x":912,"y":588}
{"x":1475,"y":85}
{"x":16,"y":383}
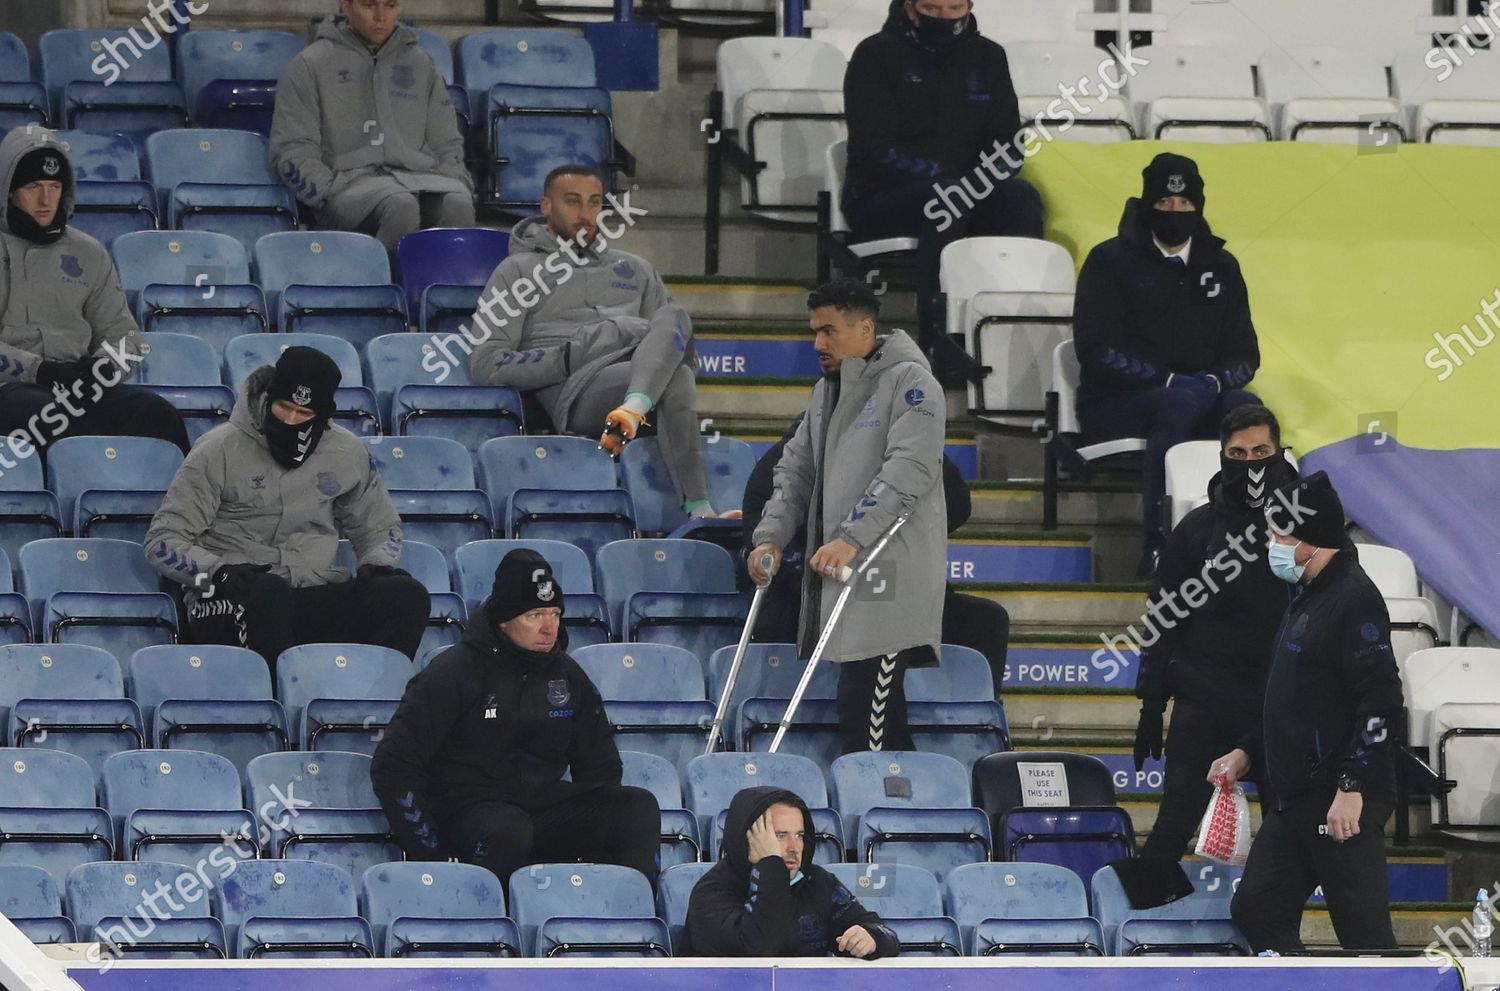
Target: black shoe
{"x":1146,"y":570}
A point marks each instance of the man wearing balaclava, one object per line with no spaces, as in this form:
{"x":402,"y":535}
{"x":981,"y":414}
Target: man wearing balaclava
{"x":1324,"y":752}
{"x":67,"y":340}
{"x":929,"y":101}
{"x":472,"y":764}
{"x":1206,"y":645}
{"x":1161,"y":326}
{"x":251,"y":525}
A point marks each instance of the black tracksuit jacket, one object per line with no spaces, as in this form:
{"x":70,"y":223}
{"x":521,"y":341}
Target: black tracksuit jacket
{"x":489,"y":722}
{"x":1138,"y":317}
{"x":739,"y":909}
{"x":1333,"y":694}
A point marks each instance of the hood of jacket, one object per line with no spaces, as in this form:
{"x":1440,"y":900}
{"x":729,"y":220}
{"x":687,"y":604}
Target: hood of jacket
{"x":21,"y":142}
{"x":896,"y":22}
{"x":748,"y":805}
{"x":533,"y":236}
{"x":1134,"y":231}
{"x":891,"y":351}
{"x":250,"y":406}
{"x":337,"y":30}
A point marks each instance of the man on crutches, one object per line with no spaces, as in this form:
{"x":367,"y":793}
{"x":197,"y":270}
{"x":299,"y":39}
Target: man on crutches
{"x":869,"y":451}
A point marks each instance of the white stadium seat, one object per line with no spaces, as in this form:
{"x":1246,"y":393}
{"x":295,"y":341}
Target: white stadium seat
{"x":1458,"y":102}
{"x":1414,"y":619}
{"x":1330,"y":94}
{"x":835,"y":168}
{"x":1040,"y":69}
{"x":1197,"y":93}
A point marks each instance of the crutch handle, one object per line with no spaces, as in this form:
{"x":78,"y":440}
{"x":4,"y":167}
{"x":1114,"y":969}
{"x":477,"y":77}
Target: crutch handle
{"x":845,"y":574}
{"x":767,"y":562}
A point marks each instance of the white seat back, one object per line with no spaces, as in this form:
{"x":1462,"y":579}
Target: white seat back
{"x":1039,"y":68}
{"x":1446,"y":674}
{"x":1189,"y":70}
{"x":1190,"y":465}
{"x":1463,"y":89}
{"x":835,"y":167}
{"x":1321,"y":72}
{"x":746,"y":65}
{"x":1391,"y":570}
{"x":1065,"y":378}
{"x":1473,"y":761}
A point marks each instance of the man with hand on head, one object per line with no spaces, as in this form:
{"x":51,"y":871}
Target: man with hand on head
{"x":252,"y":519}
{"x":67,"y":339}
{"x":1324,"y":752}
{"x":766,"y":898}
{"x":591,"y":330}
{"x":472,"y":764}
{"x":1162,"y":330}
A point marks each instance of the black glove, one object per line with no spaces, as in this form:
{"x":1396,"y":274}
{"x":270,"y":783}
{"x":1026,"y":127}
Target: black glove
{"x":234,"y":581}
{"x":64,"y":373}
{"x":1148,"y":735}
{"x":368,"y":572}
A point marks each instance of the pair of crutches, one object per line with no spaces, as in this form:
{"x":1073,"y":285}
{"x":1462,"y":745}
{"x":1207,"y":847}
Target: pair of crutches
{"x":847,"y":578}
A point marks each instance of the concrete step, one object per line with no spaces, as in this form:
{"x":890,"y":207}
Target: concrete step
{"x":1020,"y":502}
{"x":769,"y":300}
{"x":1037,"y":608}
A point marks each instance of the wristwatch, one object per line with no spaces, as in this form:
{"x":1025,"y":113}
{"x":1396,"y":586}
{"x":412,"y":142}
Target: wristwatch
{"x":1349,"y":783}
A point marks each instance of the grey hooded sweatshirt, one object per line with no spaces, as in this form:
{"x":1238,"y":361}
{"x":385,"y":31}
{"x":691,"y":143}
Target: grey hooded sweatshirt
{"x":870,"y":447}
{"x":553,"y":315}
{"x":231,"y":503}
{"x":59,"y":301}
{"x":359,"y":124}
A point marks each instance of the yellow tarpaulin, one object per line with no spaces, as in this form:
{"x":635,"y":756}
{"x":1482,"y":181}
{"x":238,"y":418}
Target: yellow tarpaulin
{"x":1356,"y":257}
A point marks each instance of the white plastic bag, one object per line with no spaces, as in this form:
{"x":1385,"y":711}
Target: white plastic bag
{"x":1225,"y":833}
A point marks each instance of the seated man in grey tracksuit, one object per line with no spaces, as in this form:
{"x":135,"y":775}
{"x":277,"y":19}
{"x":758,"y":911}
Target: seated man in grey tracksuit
{"x":251,"y":525}
{"x":365,"y":132}
{"x":591,"y":330}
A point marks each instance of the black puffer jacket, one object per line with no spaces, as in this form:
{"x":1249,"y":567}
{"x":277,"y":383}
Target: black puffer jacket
{"x":1138,"y":317}
{"x":916,"y":114}
{"x":489,"y":722}
{"x":739,"y":909}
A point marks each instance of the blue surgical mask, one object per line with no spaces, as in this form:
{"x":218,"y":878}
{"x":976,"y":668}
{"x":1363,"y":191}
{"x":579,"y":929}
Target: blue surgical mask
{"x":1283,"y":561}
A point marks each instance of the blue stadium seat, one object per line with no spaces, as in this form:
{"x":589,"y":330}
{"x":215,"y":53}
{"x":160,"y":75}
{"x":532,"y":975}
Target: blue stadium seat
{"x":100,"y":158}
{"x":584,"y":612}
{"x":130,"y":91}
{"x":431,"y":480}
{"x":674,"y":889}
{"x":555,"y":488}
{"x":589,"y":910}
{"x":1198,"y":925}
{"x":218,"y":180}
{"x":441,"y":53}
{"x":713,"y":779}
{"x":406,"y":371}
{"x":1053,"y":807}
{"x":354,"y":404}
{"x":680,"y":592}
{"x":679,"y":828}
{"x":962,"y":676}
{"x":229,"y":77}
{"x":180,"y":360}
{"x":446,"y":613}
{"x":909,"y":900}
{"x":909,"y":806}
{"x":176,"y":806}
{"x":437,"y":910}
{"x":330,"y":282}
{"x":111,"y":486}
{"x":768,"y":676}
{"x":202,"y":407}
{"x":340,"y":696}
{"x":450,"y":257}
{"x":320,"y":806}
{"x":107,"y":902}
{"x":1032,"y":909}
{"x":653,"y":695}
{"x":445,"y":310}
{"x":15,"y":612}
{"x":29,"y":900}
{"x":27,"y":510}
{"x":96,"y":591}
{"x":67,"y":697}
{"x":22,"y":101}
{"x":49,"y":815}
{"x":207,"y":697}
{"x":727,"y":464}
{"x":291,"y":908}
{"x":193,"y":282}
{"x":106,"y":210}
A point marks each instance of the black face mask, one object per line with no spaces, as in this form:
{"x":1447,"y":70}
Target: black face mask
{"x":24,"y":225}
{"x":1250,"y":483}
{"x":939,"y":32}
{"x":292,"y":444}
{"x":1172,"y":227}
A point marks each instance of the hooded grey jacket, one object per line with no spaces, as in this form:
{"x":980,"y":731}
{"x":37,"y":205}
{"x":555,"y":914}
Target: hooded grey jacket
{"x":870,"y":447}
{"x":231,"y":503}
{"x":555,"y":314}
{"x":59,"y":301}
{"x":367,"y":124}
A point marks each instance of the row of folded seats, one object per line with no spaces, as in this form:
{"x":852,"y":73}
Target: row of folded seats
{"x":263,"y":909}
{"x":525,"y":99}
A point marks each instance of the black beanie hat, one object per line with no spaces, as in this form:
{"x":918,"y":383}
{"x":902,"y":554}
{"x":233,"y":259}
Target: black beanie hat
{"x":1171,"y":175}
{"x":41,"y":165}
{"x":306,"y":377}
{"x":1312,"y":509}
{"x":523,"y":581}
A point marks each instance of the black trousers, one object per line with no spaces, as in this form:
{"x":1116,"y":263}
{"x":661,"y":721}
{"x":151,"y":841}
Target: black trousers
{"x":1008,"y":209}
{"x":124,"y":410}
{"x":983,"y":624}
{"x":1198,"y":736}
{"x":389,"y":612}
{"x":872,"y":704}
{"x":617,"y":824}
{"x":1290,"y":857}
{"x":1165,"y":417}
